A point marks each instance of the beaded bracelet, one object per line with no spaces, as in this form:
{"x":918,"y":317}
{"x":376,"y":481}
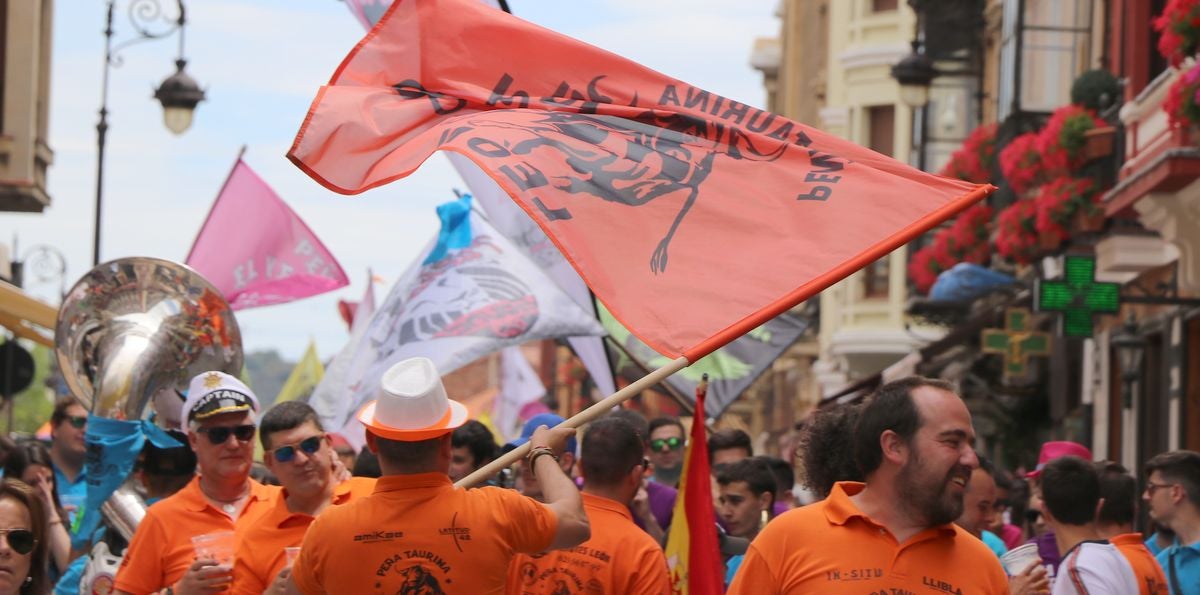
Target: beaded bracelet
{"x":533,"y":455}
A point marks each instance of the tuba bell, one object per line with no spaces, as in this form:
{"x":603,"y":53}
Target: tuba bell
{"x":134,"y":331}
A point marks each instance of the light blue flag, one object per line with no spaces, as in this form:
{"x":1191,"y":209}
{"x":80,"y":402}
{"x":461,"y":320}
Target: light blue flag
{"x":112,"y":449}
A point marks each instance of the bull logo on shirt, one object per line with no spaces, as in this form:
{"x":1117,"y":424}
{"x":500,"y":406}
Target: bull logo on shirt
{"x":419,"y":581}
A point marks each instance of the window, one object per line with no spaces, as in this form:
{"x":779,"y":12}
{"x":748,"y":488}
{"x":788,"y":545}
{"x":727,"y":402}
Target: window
{"x":881,"y":129}
{"x":875,"y":278}
{"x":1044,"y":45}
{"x":883,"y":5}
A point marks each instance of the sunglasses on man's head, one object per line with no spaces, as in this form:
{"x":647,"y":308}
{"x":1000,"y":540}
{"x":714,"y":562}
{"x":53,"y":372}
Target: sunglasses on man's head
{"x":220,"y":434}
{"x":308,"y":446}
{"x":672,"y":443}
{"x":77,"y":421}
{"x":20,"y":540}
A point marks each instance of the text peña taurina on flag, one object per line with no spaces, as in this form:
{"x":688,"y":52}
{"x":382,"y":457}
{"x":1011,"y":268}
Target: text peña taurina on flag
{"x":257,"y":250}
{"x":694,"y":218}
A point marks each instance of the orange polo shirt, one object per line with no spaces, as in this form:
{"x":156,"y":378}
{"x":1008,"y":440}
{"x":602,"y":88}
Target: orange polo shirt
{"x":161,"y":550}
{"x":261,"y":539}
{"x":418,"y":534}
{"x":1151,"y":580}
{"x":619,"y":558}
{"x":832,"y":547}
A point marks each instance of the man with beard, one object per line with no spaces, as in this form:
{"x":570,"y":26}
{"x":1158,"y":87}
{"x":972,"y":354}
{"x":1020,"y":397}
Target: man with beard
{"x":218,"y":417}
{"x":894,"y":533}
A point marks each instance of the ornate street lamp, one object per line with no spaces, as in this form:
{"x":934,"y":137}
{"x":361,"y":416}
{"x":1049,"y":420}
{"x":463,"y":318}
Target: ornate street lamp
{"x":178,"y":94}
{"x":1129,"y":347}
{"x":915,"y":72}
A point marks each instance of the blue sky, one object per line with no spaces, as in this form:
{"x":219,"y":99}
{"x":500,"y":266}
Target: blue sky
{"x":261,"y":62}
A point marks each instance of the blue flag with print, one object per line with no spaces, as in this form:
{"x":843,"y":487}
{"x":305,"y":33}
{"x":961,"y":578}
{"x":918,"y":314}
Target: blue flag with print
{"x":112,"y":449}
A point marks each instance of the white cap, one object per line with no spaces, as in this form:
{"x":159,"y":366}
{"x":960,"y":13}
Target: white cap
{"x":214,"y":393}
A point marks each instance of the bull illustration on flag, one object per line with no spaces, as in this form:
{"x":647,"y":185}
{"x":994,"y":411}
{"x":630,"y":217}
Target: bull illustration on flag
{"x":470,"y":293}
{"x":693,"y":217}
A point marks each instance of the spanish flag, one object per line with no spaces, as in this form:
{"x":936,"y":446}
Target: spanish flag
{"x":692,"y":552}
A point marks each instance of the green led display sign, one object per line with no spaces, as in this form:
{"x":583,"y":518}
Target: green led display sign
{"x":1015,"y":342}
{"x":1078,"y":296}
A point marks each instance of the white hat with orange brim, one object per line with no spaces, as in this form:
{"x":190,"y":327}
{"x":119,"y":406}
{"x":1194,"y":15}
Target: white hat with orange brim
{"x":412,"y":404}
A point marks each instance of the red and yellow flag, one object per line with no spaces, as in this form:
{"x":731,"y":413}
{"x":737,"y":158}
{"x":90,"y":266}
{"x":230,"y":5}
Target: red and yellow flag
{"x":693,"y":217}
{"x":692,"y":552}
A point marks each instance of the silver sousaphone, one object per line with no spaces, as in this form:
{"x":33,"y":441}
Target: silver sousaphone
{"x":135,"y":331}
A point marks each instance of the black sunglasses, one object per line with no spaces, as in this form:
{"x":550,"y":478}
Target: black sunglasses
{"x":220,"y":434}
{"x":672,"y":443}
{"x":77,"y":421}
{"x":308,"y":446}
{"x":20,"y":540}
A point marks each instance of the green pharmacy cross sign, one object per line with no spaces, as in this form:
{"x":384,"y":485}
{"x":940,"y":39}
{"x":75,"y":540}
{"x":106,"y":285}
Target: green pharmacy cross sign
{"x":1078,"y":296}
{"x":1015,"y":341}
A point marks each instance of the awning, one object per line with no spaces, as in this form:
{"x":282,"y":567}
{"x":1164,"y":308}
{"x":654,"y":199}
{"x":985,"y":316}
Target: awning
{"x":25,"y":316}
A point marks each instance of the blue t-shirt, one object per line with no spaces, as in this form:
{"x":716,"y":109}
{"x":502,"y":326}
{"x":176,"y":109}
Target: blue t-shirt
{"x":994,"y":543}
{"x":72,"y":495}
{"x":731,"y":568}
{"x":1184,"y":562}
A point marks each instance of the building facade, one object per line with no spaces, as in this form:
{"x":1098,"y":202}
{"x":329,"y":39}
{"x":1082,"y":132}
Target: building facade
{"x":25,"y":153}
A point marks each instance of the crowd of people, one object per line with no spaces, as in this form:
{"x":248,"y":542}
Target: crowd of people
{"x":889,"y":496}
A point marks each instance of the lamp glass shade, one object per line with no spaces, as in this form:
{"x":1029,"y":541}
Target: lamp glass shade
{"x":914,"y":96}
{"x":178,"y":119}
{"x":1129,"y":348}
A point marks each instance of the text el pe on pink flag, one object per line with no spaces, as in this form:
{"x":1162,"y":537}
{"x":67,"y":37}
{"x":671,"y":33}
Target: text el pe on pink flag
{"x":257,"y":251}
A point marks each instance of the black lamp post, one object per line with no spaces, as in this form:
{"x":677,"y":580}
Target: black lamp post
{"x":915,"y":72}
{"x":178,"y":94}
{"x":1129,"y":347}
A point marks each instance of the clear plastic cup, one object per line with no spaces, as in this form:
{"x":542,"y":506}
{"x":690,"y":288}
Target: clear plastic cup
{"x":1018,"y":559}
{"x":292,"y":553}
{"x":216,"y":546}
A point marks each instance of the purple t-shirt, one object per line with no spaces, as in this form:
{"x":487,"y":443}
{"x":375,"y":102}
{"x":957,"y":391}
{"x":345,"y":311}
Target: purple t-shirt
{"x":1048,"y":550}
{"x":778,"y":508}
{"x":662,"y":504}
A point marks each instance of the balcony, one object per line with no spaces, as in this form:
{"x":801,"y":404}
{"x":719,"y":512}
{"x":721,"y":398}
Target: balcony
{"x":1160,"y":177}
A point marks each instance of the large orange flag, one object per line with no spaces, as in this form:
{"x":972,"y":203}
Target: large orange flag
{"x":694,"y":218}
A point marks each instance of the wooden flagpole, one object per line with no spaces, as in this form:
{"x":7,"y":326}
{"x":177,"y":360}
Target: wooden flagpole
{"x":583,"y":417}
{"x":671,"y":391}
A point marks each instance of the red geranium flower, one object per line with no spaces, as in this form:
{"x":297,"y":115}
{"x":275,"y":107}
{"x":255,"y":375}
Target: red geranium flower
{"x":1182,"y":103}
{"x":974,"y":160}
{"x":1062,"y":140}
{"x":1016,"y":234}
{"x":1180,"y":27}
{"x":1021,"y":162}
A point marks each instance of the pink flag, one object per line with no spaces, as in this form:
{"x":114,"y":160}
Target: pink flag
{"x":257,"y":251}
